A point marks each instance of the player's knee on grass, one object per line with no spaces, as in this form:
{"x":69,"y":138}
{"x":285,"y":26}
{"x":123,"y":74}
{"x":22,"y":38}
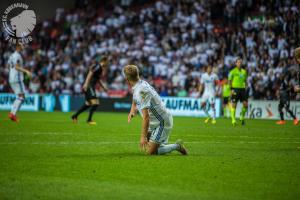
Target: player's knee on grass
{"x":152,"y":148}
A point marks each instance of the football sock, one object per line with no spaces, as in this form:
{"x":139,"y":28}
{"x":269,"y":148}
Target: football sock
{"x":206,"y":112}
{"x":232,"y":114}
{"x":16,"y":105}
{"x":163,"y":149}
{"x":214,"y":112}
{"x":281,"y":114}
{"x":243,"y":112}
{"x":225,"y":111}
{"x":291,"y":113}
{"x":92,"y":110}
{"x":81,"y":109}
{"x":205,"y":109}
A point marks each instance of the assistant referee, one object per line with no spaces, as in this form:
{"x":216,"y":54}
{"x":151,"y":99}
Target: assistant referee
{"x":238,"y":84}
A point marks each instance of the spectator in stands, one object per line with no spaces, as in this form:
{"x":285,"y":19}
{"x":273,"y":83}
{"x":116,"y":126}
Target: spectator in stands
{"x":171,"y":39}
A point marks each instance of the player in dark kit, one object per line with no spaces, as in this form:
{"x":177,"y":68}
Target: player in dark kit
{"x":297,"y":57}
{"x":91,"y":101}
{"x":284,"y":99}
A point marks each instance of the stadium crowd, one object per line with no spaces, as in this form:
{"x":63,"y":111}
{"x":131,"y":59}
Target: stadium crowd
{"x":171,"y":41}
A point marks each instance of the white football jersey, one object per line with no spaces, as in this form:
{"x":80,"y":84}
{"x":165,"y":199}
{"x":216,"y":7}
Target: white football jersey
{"x":15,"y":75}
{"x":145,"y":96}
{"x":209,"y":81}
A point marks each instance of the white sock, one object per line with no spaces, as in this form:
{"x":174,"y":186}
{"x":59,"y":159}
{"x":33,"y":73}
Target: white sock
{"x":16,"y":106}
{"x":214,"y":113}
{"x":204,"y":108}
{"x":163,"y":149}
{"x":207,"y":113}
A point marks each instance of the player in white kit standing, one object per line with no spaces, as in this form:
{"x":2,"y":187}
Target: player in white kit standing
{"x":209,"y":82}
{"x":16,"y":77}
{"x":157,"y":121}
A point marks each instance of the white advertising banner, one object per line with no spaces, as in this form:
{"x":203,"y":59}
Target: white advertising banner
{"x":268,"y":109}
{"x":31,"y":102}
{"x":185,"y":106}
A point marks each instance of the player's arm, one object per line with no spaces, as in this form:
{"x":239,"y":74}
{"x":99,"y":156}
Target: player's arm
{"x":103,"y":86}
{"x":246,"y":80}
{"x":218,"y":84}
{"x":145,"y":127}
{"x":200,"y":89}
{"x":19,"y":68}
{"x":230,"y":82}
{"x":132,"y":111}
{"x":88,"y":79}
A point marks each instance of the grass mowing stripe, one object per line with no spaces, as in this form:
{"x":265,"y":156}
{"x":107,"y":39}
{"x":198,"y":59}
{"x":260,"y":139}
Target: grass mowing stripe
{"x":131,"y":142}
{"x":186,"y":135}
{"x":45,"y":156}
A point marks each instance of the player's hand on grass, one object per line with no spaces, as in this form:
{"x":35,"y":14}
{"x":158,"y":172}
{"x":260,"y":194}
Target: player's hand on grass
{"x":143,"y":143}
{"x":130,"y":116}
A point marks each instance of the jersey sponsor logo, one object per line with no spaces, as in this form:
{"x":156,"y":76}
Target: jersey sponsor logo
{"x":18,"y":25}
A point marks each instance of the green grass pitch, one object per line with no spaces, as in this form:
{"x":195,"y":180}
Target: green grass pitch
{"x":45,"y":156}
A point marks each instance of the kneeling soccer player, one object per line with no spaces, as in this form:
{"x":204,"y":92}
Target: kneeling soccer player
{"x":157,"y":121}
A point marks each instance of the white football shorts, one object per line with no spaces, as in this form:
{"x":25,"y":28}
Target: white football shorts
{"x":18,"y":87}
{"x":208,"y":98}
{"x":160,"y":134}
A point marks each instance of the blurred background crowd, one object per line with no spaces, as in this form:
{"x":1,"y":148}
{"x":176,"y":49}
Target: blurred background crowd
{"x":171,"y":41}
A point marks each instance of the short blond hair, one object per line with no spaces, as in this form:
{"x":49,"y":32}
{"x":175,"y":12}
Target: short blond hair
{"x":297,"y":53}
{"x":131,"y":72}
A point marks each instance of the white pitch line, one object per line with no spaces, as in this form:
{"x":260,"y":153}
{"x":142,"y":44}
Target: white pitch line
{"x":242,"y":137}
{"x":53,"y":133}
{"x":237,"y":136}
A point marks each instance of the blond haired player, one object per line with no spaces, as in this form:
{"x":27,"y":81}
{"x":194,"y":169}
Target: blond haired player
{"x":157,"y":121}
{"x":16,"y":78}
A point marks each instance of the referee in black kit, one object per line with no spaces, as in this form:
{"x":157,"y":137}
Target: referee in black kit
{"x":92,"y":78}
